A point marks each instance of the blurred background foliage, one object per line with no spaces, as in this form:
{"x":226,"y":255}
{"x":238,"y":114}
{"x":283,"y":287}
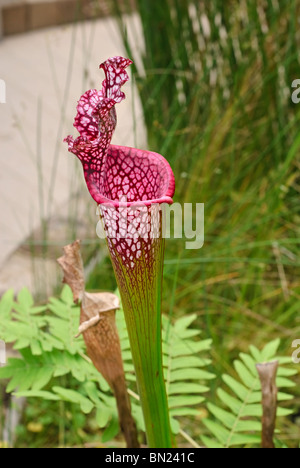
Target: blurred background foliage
{"x":214,"y":79}
{"x":215,"y":85}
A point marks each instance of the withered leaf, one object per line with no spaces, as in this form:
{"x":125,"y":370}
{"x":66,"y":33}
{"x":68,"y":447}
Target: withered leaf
{"x":94,"y":305}
{"x":98,"y":325}
{"x":72,"y":265}
{"x":267,"y":374}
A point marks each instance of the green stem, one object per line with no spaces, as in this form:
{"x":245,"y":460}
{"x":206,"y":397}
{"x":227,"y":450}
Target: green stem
{"x":144,"y":329}
{"x":140,"y":289}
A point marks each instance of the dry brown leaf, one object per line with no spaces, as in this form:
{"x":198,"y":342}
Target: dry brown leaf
{"x":267,"y":375}
{"x":72,"y":265}
{"x":102,"y":338}
{"x":98,"y":325}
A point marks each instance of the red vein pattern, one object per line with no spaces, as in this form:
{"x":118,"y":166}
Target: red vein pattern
{"x":118,"y":176}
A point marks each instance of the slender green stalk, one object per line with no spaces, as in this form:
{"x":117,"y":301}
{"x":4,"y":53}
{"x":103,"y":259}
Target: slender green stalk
{"x":140,"y":289}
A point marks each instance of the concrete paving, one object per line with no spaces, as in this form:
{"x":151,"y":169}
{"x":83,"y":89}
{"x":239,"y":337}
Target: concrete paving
{"x":45,"y":73}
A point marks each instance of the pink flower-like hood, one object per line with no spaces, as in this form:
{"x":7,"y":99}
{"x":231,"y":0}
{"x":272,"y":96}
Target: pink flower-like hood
{"x":115,"y":173}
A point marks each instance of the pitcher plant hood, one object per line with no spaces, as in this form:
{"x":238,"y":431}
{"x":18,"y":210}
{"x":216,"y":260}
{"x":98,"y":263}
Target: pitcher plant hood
{"x":114,"y":173}
{"x":131,"y":186}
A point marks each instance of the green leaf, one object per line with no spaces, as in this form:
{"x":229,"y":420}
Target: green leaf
{"x":25,"y":298}
{"x":211,"y":444}
{"x":191,"y":374}
{"x":179,"y":401}
{"x":184,"y":411}
{"x":282,"y":382}
{"x":74,"y":397}
{"x":23,"y":380}
{"x":242,"y":400}
{"x":245,"y":439}
{"x":247,"y":378}
{"x":248,"y":426}
{"x":184,"y":362}
{"x":284,"y":396}
{"x":36,"y":347}
{"x":37,"y":394}
{"x":281,"y":412}
{"x":182,"y":349}
{"x":218,"y":431}
{"x":249,"y":362}
{"x":67,"y":295}
{"x":286,"y":372}
{"x":43,"y":376}
{"x":226,"y":418}
{"x":6,"y":301}
{"x":65,"y":328}
{"x":175,"y":426}
{"x":138,"y":416}
{"x":189,"y":388}
{"x":6,"y":305}
{"x":251,"y":410}
{"x":270,"y":350}
{"x":183,"y":323}
{"x":230,"y":401}
{"x":93,"y":393}
{"x":240,"y":390}
{"x":103,"y":415}
{"x":256,"y":354}
{"x":22,"y":343}
{"x":112,"y":430}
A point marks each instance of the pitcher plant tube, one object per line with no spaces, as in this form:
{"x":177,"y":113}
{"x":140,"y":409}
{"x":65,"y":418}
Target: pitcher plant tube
{"x":131,"y":187}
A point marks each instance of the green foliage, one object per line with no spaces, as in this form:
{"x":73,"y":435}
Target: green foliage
{"x":45,"y":338}
{"x":27,"y":326}
{"x":184,"y":369}
{"x":240,"y":423}
{"x":185,"y":374}
{"x":56,"y":353}
{"x":38,"y":372}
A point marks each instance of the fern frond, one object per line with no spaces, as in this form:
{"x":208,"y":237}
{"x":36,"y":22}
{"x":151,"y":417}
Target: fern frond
{"x":184,"y":370}
{"x":21,"y":322}
{"x":28,"y":326}
{"x":45,"y":339}
{"x":186,"y":378}
{"x":238,"y":421}
{"x":64,"y":321}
